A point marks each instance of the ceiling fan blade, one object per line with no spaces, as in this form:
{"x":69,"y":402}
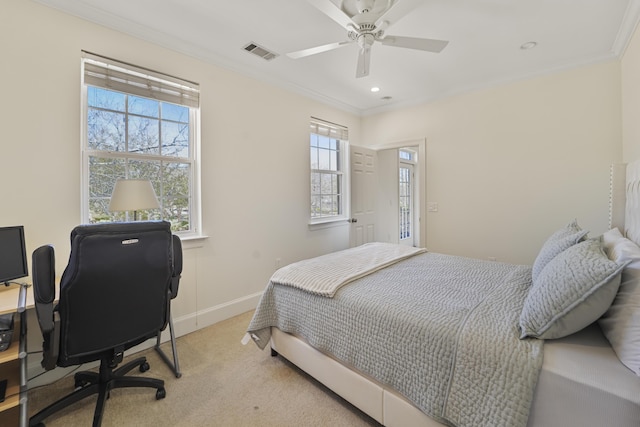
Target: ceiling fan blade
{"x":429,"y":45}
{"x":333,"y":12}
{"x":318,"y":49}
{"x":398,"y":9}
{"x":364,"y":61}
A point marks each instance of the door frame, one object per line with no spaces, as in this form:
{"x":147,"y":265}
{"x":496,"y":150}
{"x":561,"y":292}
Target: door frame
{"x":420,"y":181}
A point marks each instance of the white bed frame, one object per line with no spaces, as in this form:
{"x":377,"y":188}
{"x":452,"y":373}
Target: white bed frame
{"x":389,"y":408}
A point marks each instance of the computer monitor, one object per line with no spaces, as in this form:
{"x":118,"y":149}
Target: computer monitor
{"x":13,"y":253}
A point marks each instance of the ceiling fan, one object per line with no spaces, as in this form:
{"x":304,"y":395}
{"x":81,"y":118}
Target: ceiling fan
{"x":366,"y":22}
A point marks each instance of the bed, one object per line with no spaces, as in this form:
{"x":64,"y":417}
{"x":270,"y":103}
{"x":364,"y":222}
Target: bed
{"x":414,"y":338}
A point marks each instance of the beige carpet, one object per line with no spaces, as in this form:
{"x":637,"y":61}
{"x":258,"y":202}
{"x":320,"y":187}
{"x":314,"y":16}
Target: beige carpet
{"x":223,"y":384}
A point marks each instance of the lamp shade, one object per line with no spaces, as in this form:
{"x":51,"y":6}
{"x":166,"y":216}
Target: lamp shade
{"x":133,"y":195}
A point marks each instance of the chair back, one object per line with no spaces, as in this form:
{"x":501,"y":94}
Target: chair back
{"x":115,"y":290}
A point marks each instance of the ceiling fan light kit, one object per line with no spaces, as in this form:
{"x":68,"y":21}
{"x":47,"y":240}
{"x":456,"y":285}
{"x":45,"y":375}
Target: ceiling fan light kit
{"x":366,"y":22}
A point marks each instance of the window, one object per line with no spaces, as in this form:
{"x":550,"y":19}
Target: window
{"x":140,"y":124}
{"x":328,"y":147}
{"x":405,"y":195}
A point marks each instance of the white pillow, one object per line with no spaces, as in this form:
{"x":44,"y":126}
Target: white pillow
{"x":621,"y":323}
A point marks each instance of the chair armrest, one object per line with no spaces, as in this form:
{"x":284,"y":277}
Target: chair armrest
{"x":44,"y":290}
{"x":51,"y":345}
{"x":177,"y":266}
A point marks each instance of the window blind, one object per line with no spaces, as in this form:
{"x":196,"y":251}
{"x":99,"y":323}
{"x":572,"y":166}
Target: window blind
{"x":114,"y":75}
{"x":331,"y":130}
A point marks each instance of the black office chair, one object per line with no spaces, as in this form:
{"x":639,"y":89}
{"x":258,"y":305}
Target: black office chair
{"x":114,"y":294}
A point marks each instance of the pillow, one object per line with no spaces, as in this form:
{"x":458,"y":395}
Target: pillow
{"x":621,"y":323}
{"x":556,"y":243}
{"x":572,"y":291}
{"x":610,"y":239}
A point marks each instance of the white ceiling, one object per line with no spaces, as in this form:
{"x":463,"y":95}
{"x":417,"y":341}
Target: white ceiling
{"x":484,"y":42}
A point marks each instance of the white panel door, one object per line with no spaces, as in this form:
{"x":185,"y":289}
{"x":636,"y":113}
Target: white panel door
{"x":363,"y":195}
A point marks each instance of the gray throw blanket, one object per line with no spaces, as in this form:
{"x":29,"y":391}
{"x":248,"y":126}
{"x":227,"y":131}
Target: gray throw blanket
{"x":441,"y":330}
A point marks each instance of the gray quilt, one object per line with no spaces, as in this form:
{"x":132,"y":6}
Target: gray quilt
{"x":442,"y":330}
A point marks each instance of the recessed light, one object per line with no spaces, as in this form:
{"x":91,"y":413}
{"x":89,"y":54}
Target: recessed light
{"x":375,"y":89}
{"x":528,"y":45}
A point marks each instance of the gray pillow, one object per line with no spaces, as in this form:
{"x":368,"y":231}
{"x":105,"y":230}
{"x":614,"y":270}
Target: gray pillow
{"x":556,"y":243}
{"x":572,"y":291}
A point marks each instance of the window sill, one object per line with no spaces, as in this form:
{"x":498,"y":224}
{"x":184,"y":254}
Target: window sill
{"x":329,"y":223}
{"x":193,"y":241}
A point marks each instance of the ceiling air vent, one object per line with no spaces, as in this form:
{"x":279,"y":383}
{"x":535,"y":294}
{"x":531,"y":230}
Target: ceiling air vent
{"x":260,"y":51}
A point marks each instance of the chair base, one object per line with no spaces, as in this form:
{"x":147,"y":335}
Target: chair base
{"x":174,"y":366}
{"x":101,"y":383}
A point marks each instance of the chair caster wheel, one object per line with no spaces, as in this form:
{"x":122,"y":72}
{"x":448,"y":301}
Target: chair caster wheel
{"x":79,"y":384}
{"x":161,"y":393}
{"x":145,"y":367}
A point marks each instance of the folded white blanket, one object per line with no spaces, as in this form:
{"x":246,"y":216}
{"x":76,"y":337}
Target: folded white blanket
{"x":325,"y":274}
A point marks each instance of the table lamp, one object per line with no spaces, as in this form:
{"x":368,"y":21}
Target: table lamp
{"x":133,"y":195}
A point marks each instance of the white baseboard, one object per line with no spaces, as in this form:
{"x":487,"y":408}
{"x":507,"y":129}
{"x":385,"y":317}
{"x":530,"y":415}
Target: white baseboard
{"x":182,"y":325}
{"x":227,"y":310}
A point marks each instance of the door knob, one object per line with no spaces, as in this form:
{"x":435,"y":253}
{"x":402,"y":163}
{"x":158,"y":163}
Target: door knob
{"x":353,"y":220}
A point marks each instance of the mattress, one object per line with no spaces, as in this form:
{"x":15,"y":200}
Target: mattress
{"x":583,"y":383}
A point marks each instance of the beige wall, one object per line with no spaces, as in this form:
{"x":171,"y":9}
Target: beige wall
{"x":631,"y":99}
{"x":254,"y":158}
{"x":509,"y":165}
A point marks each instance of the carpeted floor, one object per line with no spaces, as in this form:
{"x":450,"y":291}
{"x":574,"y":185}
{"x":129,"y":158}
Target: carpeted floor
{"x":223,"y":383}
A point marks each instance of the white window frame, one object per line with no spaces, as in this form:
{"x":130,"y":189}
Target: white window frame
{"x":340,"y":133}
{"x":195,"y":221}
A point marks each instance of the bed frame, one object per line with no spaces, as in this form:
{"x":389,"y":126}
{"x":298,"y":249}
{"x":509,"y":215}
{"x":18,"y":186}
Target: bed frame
{"x":389,"y":408}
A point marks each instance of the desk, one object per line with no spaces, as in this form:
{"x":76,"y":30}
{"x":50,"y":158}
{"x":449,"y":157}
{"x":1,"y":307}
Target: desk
{"x":13,"y":361}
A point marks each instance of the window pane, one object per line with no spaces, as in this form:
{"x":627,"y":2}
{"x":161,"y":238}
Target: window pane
{"x":99,"y":212}
{"x":176,"y":211}
{"x":314,"y":158}
{"x":176,"y":194}
{"x":176,"y":179}
{"x":175,"y":139}
{"x":315,"y":206}
{"x":325,"y":184}
{"x":105,"y":130}
{"x":324,"y":159}
{"x":315,"y":183}
{"x":406,"y":155}
{"x":146,"y":169}
{"x":107,"y":99}
{"x":333,"y":144}
{"x":176,"y":113}
{"x":143,"y":135}
{"x":329,"y":204}
{"x":103,"y":173}
{"x":143,"y":106}
{"x":314,"y":140}
{"x":333,"y":159}
{"x":324,"y":142}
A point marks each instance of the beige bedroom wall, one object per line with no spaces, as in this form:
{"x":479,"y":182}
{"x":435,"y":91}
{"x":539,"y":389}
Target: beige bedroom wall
{"x":509,"y":165}
{"x":254,"y":158}
{"x":631,"y":99}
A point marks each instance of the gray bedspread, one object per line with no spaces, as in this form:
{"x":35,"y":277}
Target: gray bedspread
{"x":441,"y":330}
